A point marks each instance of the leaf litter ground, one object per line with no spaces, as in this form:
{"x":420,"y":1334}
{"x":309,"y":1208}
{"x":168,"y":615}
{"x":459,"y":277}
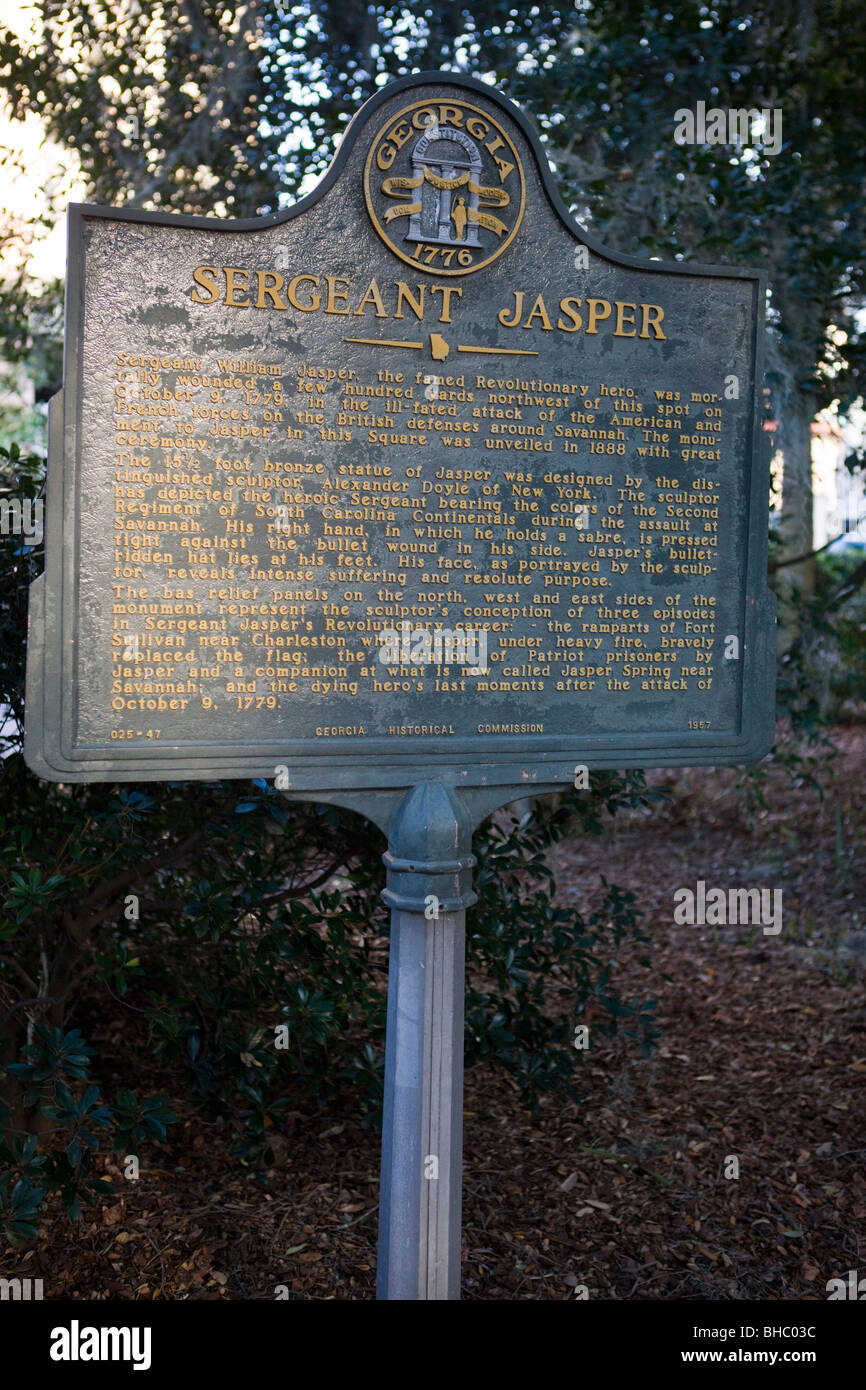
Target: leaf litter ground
{"x":762,"y":1058}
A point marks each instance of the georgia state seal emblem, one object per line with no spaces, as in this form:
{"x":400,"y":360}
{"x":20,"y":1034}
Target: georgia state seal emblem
{"x":444,"y":186}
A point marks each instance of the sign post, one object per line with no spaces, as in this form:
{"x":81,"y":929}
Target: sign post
{"x":429,"y":865}
{"x":414,"y":499}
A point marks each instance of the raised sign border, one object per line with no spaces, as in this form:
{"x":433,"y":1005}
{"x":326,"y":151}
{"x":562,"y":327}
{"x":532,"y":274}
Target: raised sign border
{"x":343,"y":766}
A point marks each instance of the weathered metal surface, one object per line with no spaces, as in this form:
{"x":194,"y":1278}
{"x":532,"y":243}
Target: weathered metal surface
{"x":306,"y":527}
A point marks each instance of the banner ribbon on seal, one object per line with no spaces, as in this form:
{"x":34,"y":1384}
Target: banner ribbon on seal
{"x":491,"y":197}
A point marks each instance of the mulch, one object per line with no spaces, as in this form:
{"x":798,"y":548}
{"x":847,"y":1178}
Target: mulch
{"x":626,"y":1194}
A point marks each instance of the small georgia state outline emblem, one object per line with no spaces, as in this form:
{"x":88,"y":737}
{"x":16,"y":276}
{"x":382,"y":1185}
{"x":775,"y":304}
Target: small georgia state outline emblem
{"x":444,"y":186}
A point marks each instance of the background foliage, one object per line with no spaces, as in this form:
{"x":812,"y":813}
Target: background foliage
{"x":184,"y":924}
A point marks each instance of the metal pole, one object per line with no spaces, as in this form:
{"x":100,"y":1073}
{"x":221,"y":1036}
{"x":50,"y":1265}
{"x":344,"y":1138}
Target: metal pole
{"x":429,"y":888}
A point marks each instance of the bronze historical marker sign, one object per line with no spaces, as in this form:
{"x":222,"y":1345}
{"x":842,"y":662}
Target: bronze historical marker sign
{"x":412,"y":480}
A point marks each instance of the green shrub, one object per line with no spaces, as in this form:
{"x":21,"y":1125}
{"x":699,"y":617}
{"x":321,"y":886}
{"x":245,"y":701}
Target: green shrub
{"x":202,"y":923}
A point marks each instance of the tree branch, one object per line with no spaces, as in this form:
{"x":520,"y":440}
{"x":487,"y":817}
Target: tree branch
{"x":849,"y":586}
{"x":31,"y":984}
{"x":304,"y":888}
{"x":798,"y":559}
